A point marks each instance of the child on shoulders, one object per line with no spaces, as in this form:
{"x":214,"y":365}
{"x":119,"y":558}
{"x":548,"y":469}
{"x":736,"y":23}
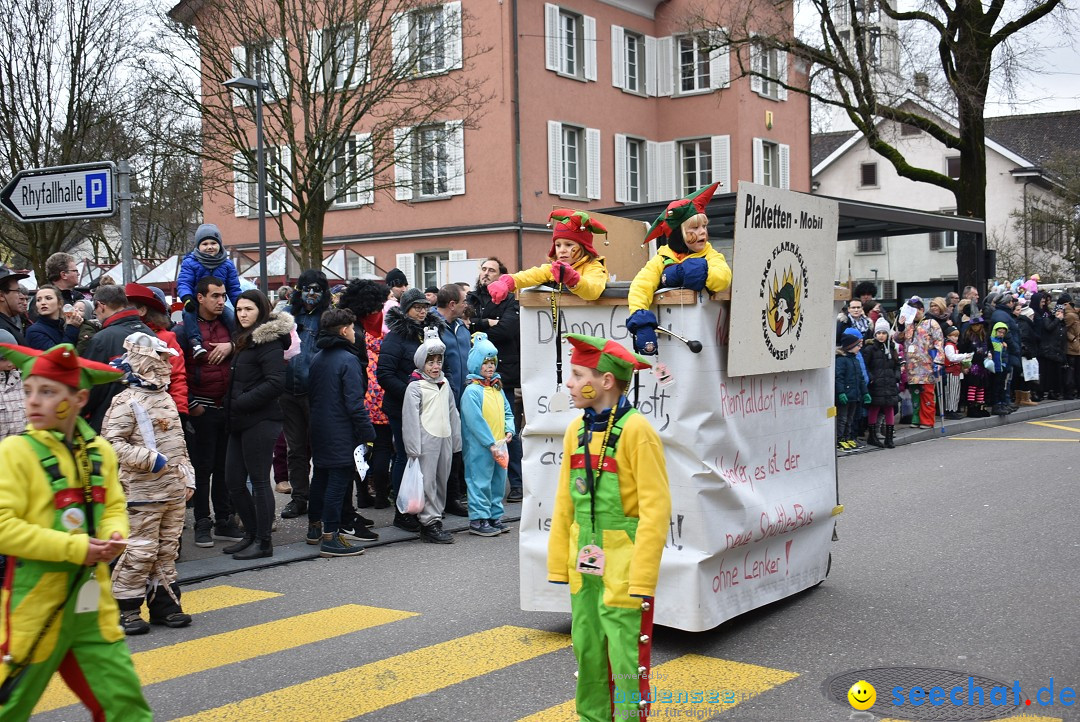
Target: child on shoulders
{"x":207,"y":259}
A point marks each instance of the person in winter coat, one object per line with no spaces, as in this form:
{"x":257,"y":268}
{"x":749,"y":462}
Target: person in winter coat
{"x":143,"y":426}
{"x":487,"y":425}
{"x":850,"y":391}
{"x":999,"y":354}
{"x":339,"y":420}
{"x":1050,"y":325}
{"x":207,"y":259}
{"x":1026,"y":391}
{"x":53,"y":326}
{"x":151,"y":308}
{"x":1071,"y":371}
{"x":854,"y":318}
{"x":12,"y":403}
{"x":925,"y":355}
{"x":975,"y":340}
{"x":407,"y":323}
{"x":118,"y":321}
{"x":256,"y":381}
{"x":882,"y":359}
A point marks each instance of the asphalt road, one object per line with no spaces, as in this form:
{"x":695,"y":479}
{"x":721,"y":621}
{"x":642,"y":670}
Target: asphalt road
{"x":959,"y":553}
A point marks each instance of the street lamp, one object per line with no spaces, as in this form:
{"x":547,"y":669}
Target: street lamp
{"x":877,"y":291}
{"x":258,"y":85}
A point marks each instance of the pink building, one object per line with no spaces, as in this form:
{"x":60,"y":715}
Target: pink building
{"x":611,"y":102}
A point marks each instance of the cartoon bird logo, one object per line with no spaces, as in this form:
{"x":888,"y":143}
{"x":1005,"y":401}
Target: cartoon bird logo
{"x":785,"y":298}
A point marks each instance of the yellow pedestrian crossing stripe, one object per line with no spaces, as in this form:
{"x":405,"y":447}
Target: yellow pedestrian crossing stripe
{"x":722,"y":684}
{"x":222,"y":596}
{"x":218,"y":650}
{"x":364,"y":689}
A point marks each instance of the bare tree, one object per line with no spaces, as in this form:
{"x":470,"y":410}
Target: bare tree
{"x":1049,"y":225}
{"x":948,"y":51}
{"x":356,"y":90}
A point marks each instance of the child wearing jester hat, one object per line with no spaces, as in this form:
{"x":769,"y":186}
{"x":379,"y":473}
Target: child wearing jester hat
{"x":63,"y":518}
{"x":612,"y":510}
{"x":574,"y":260}
{"x":686,"y":260}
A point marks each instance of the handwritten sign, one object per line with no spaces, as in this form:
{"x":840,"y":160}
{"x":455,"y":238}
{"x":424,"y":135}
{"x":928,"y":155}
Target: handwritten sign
{"x":750,"y":463}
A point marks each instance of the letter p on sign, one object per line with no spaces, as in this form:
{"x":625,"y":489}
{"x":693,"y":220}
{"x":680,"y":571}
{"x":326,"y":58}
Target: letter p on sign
{"x":97,"y":190}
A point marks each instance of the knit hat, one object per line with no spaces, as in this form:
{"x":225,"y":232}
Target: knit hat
{"x":1028,"y":312}
{"x":482,"y":349}
{"x":1036,"y":277}
{"x":432,"y":346}
{"x":60,"y":363}
{"x":882,"y":325}
{"x":396,"y":278}
{"x":207,"y":230}
{"x":145,"y":296}
{"x":605,"y":356}
{"x":6,"y":337}
{"x":950,"y":330}
{"x":850,"y":339}
{"x":680,"y":211}
{"x":1064,"y":298}
{"x":411,"y":298}
{"x":575,"y":226}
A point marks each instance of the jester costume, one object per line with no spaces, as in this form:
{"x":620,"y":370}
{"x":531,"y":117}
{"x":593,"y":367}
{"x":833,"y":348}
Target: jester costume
{"x":613,"y":497}
{"x":56,"y":613}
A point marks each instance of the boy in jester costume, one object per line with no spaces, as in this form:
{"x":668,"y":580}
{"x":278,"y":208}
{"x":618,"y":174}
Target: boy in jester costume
{"x":612,"y":510}
{"x":63,"y":518}
{"x":686,"y":260}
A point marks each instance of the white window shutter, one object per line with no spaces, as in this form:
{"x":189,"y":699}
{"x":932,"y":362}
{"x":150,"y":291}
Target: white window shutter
{"x":551,"y":37}
{"x":652,"y":170}
{"x":620,"y":168}
{"x":590,"y":47}
{"x":667,"y":164}
{"x":363,"y":49}
{"x":365,"y":178}
{"x":399,"y":41}
{"x":241,"y":186}
{"x":785,"y":163}
{"x":456,"y":131}
{"x":403,"y":163}
{"x":781,"y":64}
{"x":239,"y":69}
{"x":650,"y":66}
{"x":759,"y":161}
{"x":755,"y":67}
{"x":406,"y":263}
{"x":592,"y":148}
{"x":452,"y":28}
{"x":316,"y":64}
{"x":665,"y":66}
{"x":284,"y":172}
{"x":554,"y":157}
{"x":618,"y":64}
{"x":721,"y":161}
{"x":719,"y":62}
{"x":277,"y":73}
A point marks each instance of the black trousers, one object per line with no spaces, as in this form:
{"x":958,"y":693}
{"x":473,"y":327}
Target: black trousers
{"x":298,"y":438}
{"x":250,"y":454}
{"x":207,"y":450}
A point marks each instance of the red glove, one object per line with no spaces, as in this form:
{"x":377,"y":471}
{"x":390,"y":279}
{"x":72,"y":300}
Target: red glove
{"x":500,"y":289}
{"x":564,"y":273}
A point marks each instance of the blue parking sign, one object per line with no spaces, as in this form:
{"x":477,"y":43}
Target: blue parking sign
{"x":97,"y":190}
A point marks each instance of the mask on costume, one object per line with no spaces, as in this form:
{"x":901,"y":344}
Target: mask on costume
{"x":312,"y":297}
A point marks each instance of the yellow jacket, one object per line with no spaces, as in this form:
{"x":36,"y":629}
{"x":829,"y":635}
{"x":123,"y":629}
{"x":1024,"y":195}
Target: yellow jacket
{"x":647,"y":279}
{"x":643,"y":486}
{"x":594,"y":277}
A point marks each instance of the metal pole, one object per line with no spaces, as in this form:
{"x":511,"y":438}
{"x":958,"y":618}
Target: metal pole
{"x":263,"y":286}
{"x":123,"y":175}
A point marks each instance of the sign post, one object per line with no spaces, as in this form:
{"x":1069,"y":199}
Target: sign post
{"x":61,"y":193}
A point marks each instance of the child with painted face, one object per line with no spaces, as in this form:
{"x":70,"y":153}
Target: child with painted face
{"x":574,"y":261}
{"x":686,"y":260}
{"x":611,"y":516}
{"x":207,"y":259}
{"x":63,"y":518}
{"x":486,"y":420}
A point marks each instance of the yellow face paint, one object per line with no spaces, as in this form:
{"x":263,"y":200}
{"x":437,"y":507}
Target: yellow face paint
{"x":588,"y":392}
{"x":63,"y":409}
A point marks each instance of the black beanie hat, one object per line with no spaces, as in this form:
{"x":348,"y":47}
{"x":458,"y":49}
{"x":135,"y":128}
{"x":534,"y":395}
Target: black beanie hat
{"x":395,"y":278}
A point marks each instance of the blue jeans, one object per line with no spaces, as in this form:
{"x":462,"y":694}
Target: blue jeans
{"x":191,"y":324}
{"x":329,"y":488}
{"x":400,"y":459}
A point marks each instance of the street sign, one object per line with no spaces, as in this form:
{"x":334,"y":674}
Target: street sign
{"x":61,"y":193}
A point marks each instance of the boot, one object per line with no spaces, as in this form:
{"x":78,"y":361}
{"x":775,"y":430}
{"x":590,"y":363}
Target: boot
{"x":889,"y":431}
{"x":260,"y":549}
{"x":406,"y":522}
{"x":130,"y":616}
{"x":1025,"y":398}
{"x":872,"y":438}
{"x":239,"y":546}
{"x":166,"y":610}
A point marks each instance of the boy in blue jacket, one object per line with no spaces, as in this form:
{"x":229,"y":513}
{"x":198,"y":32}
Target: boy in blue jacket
{"x":850,"y":390}
{"x":208,"y":259}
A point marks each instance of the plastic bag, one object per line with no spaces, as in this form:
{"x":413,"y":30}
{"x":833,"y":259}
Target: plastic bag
{"x":410,"y":498}
{"x":1031,"y":369}
{"x":294,"y":344}
{"x":501,"y":454}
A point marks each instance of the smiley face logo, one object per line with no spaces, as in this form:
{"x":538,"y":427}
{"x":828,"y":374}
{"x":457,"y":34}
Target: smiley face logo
{"x":862,"y":695}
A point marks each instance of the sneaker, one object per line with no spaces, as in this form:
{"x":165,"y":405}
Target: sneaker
{"x":228,"y":529}
{"x":314,"y":533}
{"x":515,"y":496}
{"x":363,"y":520}
{"x":204,"y":536}
{"x":133,"y":623}
{"x":333,"y":545}
{"x":503,"y":528}
{"x":283,"y":487}
{"x":197,"y":351}
{"x":481,"y":527}
{"x":406,"y":522}
{"x":357,"y":531}
{"x":294,"y":508}
{"x":435,"y":534}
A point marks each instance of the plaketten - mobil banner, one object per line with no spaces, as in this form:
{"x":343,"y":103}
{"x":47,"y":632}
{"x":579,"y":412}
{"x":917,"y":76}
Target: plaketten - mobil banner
{"x":750,"y":462}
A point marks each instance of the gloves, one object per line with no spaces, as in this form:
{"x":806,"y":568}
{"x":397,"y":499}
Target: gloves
{"x":843,"y":398}
{"x":642,"y":324}
{"x":189,"y":304}
{"x":866,"y":398}
{"x":564,"y":273}
{"x":159,"y":463}
{"x":672,"y":276}
{"x":695,"y":273}
{"x":500,"y":289}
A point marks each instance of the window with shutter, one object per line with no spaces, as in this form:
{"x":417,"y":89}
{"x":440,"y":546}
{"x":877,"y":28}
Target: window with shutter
{"x":352,"y":183}
{"x":694,"y":63}
{"x":427,"y":40}
{"x":936,"y":240}
{"x":952,"y":167}
{"x":430,"y":160}
{"x":868,"y":175}
{"x":870,"y":245}
{"x":695,"y":165}
{"x":570,"y":43}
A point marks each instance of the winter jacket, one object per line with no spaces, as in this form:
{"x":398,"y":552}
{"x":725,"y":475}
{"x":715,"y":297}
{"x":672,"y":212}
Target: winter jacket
{"x":16,"y":325}
{"x":133,"y":450}
{"x":594,"y":277}
{"x":1000,"y":351}
{"x":307,"y":328}
{"x":647,"y":279}
{"x":1052,"y":337}
{"x":883,"y":364}
{"x":107,"y":344}
{"x":207,"y":383}
{"x":1004,"y":315}
{"x":1072,"y":330}
{"x":849,"y":378}
{"x":257,"y":375}
{"x":455,"y":364}
{"x":844,"y":321}
{"x":12,"y":404}
{"x":191,"y":272}
{"x":178,"y":387}
{"x":339,"y":418}
{"x":506,"y":335}
{"x":970,"y":342}
{"x":1029,"y":337}
{"x":45,"y":333}
{"x":396,"y":356}
{"x":924,"y":348}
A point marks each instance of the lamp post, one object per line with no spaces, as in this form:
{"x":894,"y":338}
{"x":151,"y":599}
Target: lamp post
{"x":877,"y":291}
{"x":258,"y":85}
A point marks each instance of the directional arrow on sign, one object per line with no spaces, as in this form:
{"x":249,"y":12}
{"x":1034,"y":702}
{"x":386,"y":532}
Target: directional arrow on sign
{"x":61,"y":193}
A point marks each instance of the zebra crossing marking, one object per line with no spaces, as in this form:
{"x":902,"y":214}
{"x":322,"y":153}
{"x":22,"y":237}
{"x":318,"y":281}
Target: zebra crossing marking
{"x":222,"y":596}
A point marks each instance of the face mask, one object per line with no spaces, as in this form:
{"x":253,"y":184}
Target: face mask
{"x":312,"y":297}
